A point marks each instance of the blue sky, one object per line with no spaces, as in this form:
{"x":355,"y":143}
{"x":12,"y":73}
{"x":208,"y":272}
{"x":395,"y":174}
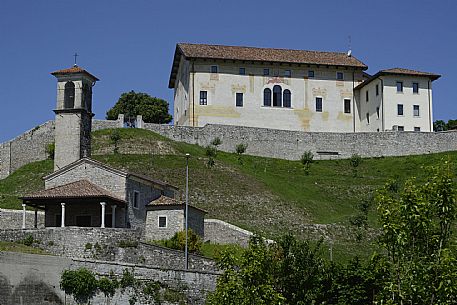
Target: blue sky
{"x":129,"y":45}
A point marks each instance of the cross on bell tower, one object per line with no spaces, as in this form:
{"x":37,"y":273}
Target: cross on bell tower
{"x":73,"y":122}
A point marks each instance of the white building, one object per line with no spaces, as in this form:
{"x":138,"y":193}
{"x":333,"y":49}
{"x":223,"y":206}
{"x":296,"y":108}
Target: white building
{"x":295,"y":90}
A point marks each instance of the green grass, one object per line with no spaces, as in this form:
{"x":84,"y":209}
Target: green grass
{"x":215,"y":250}
{"x":18,"y":247}
{"x":265,"y":195}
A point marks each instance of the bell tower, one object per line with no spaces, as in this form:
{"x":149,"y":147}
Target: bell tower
{"x":73,"y":122}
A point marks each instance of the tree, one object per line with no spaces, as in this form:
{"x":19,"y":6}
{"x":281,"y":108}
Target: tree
{"x":131,"y":104}
{"x":306,"y":159}
{"x":416,"y":230}
{"x":240,"y":149}
{"x":80,"y":283}
{"x":439,"y":125}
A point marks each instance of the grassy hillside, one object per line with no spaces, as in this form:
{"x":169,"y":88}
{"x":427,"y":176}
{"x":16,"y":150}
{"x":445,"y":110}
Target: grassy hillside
{"x":271,"y":196}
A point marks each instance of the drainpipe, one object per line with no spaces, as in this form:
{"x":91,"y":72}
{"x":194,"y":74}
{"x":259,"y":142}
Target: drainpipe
{"x":382,"y":104}
{"x":429,"y":107}
{"x":193,"y":94}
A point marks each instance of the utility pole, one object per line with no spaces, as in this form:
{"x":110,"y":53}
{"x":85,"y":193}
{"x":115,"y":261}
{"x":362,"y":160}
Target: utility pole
{"x":186,"y":249}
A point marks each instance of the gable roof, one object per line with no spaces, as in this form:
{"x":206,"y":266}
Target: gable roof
{"x":205,"y":51}
{"x":73,"y":190}
{"x":98,"y":164}
{"x":73,"y":70}
{"x":399,"y":71}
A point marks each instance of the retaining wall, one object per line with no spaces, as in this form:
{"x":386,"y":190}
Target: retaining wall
{"x":12,"y":219}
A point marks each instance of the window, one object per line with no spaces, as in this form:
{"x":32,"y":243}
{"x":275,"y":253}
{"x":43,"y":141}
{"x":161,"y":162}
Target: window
{"x":162,"y":221}
{"x":213,"y":69}
{"x":242,"y":71}
{"x":417,"y":129}
{"x":310,"y":74}
{"x":239,"y":100}
{"x":287,"y":73}
{"x":377,"y":112}
{"x":266,"y":72}
{"x":203,"y":97}
{"x":401,"y":128}
{"x":368,"y":118}
{"x":277,"y":96}
{"x":416,"y":88}
{"x":267,"y":97}
{"x":366,"y":96}
{"x":339,"y":75}
{"x":347,"y":106}
{"x":287,"y":97}
{"x":136,"y":199}
{"x":400,"y":109}
{"x":69,"y":96}
{"x":415,"y":110}
{"x":318,"y":104}
{"x":399,"y":86}
{"x":377,"y":90}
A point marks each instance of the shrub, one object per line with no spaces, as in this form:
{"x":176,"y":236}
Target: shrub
{"x":28,"y":240}
{"x":240,"y":149}
{"x":127,"y":243}
{"x":178,"y":241}
{"x":355,"y":161}
{"x":306,"y":159}
{"x":127,"y":279}
{"x":216,"y":141}
{"x":107,"y":286}
{"x":80,"y":283}
{"x":51,"y":150}
{"x":115,"y":137}
{"x":88,"y":246}
{"x":210,"y":152}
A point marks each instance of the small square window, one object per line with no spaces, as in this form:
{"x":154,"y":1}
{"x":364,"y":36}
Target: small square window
{"x":136,"y":199}
{"x":367,"y":96}
{"x":400,"y":109}
{"x":310,"y":74}
{"x":266,"y":72}
{"x":377,"y":90}
{"x":339,"y":75}
{"x":213,"y":69}
{"x":416,"y":110}
{"x":287,"y":73}
{"x":399,"y":86}
{"x":318,"y":104}
{"x":416,"y":88}
{"x":203,"y":97}
{"x":242,"y":71}
{"x":239,"y":100}
{"x":347,"y":106}
{"x":162,"y":221}
{"x":417,"y":129}
{"x":401,"y":128}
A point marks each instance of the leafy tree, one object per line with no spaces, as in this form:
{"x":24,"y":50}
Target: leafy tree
{"x":439,"y":125}
{"x":210,"y":152}
{"x":452,"y":124}
{"x":178,"y":241}
{"x":108,"y":287}
{"x":80,"y":283}
{"x":131,"y":104}
{"x":240,"y":149}
{"x":416,"y":230}
{"x":216,"y":142}
{"x":355,"y":161}
{"x":306,"y":159}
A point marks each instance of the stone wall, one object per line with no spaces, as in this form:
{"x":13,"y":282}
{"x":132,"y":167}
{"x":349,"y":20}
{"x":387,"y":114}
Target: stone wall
{"x":12,"y":219}
{"x":290,"y":145}
{"x":34,"y":279}
{"x":26,"y":148}
{"x":221,"y":232}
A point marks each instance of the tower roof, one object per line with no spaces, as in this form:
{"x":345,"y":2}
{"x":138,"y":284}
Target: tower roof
{"x":73,"y":70}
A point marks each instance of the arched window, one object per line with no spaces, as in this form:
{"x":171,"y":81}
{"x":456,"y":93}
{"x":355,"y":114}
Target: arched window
{"x":69,"y":97}
{"x":287,"y":98}
{"x":267,"y":97}
{"x":277,"y":96}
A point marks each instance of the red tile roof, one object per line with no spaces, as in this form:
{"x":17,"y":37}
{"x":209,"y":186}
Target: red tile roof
{"x":205,"y":51}
{"x":73,"y":190}
{"x":73,"y":70}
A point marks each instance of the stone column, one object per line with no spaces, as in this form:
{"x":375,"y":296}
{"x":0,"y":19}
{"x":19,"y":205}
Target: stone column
{"x":36,"y":219}
{"x":120,"y":121}
{"x":23,"y":215}
{"x":103,"y":214}
{"x":113,"y":216}
{"x":62,"y":221}
{"x":139,"y":121}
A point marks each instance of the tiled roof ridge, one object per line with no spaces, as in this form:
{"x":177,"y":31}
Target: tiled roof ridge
{"x":73,"y":69}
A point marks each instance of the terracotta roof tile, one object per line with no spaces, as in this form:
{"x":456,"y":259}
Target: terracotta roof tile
{"x":409,"y":72}
{"x":77,"y":189}
{"x":73,"y":70}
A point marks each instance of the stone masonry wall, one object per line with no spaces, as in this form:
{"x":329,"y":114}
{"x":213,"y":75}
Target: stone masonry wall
{"x":273,"y":143}
{"x":221,"y":232}
{"x":12,"y":219}
{"x":34,"y":279}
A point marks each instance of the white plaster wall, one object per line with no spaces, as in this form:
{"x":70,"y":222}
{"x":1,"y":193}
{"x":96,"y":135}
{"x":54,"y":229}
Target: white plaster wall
{"x":223,"y":86}
{"x":181,"y":93}
{"x":374,"y":123}
{"x":408,"y":99}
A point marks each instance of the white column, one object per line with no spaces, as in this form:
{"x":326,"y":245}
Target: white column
{"x":62,"y":221}
{"x":103,"y":214}
{"x":23,"y":215}
{"x":113,"y":216}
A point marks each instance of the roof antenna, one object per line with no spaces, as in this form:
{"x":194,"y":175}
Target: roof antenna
{"x":350,"y":46}
{"x":75,"y":55}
